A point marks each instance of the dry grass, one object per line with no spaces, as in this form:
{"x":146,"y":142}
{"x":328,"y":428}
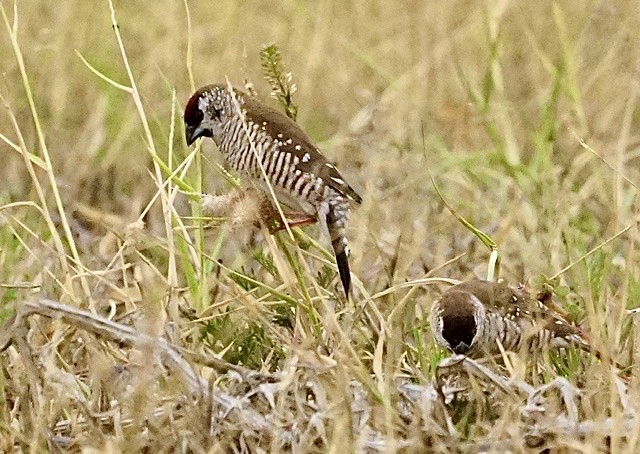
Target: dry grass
{"x":132,"y":321}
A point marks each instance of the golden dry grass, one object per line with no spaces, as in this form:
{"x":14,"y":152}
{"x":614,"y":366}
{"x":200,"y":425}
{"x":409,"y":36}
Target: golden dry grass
{"x":224,"y":339}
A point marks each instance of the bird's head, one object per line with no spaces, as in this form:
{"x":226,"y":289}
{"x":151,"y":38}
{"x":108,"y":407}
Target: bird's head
{"x":205,"y":112}
{"x":457,"y":321}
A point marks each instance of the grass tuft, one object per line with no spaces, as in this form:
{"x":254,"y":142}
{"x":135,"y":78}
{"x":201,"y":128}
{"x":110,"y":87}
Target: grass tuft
{"x":280,"y":81}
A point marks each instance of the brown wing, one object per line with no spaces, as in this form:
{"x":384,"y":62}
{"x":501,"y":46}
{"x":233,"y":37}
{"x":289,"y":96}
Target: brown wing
{"x":516,"y":303}
{"x":296,"y":142}
{"x":499,"y":297}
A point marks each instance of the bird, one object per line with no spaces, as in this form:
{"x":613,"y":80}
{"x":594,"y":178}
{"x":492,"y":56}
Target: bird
{"x":476,"y":317}
{"x":258,"y":142}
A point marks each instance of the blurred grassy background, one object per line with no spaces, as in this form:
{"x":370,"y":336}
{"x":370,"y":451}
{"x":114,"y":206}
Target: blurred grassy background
{"x":492,"y":97}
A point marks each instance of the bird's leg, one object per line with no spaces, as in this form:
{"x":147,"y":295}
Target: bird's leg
{"x":294,"y":219}
{"x":270,"y":216}
{"x":299,"y":218}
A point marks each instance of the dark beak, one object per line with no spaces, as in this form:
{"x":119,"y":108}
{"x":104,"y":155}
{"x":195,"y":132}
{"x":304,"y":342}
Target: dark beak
{"x":461,"y":348}
{"x":192,"y":133}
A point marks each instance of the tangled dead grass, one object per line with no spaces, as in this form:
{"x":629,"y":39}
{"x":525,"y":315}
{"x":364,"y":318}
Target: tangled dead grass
{"x":134,"y":321}
{"x":306,"y":406}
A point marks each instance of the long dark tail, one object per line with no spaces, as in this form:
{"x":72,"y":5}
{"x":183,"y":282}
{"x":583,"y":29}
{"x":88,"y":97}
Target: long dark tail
{"x":337,"y":219}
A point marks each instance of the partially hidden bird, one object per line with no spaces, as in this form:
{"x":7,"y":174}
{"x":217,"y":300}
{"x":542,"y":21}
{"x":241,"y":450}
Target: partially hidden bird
{"x":476,"y":317}
{"x":259,"y":142}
